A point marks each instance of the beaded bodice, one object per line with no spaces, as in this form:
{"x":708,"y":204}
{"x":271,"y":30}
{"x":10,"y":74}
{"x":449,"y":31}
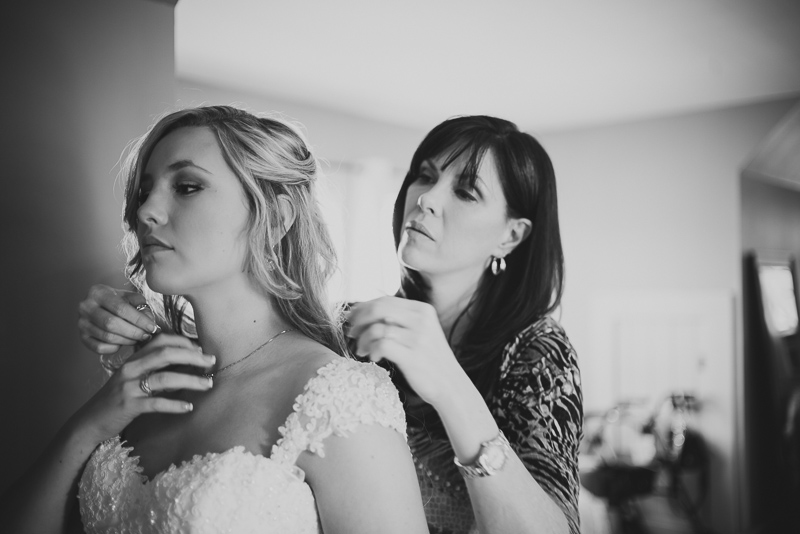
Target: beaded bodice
{"x":236,"y":491}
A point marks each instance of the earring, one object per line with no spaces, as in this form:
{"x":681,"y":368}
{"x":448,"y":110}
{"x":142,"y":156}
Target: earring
{"x":498,"y":265}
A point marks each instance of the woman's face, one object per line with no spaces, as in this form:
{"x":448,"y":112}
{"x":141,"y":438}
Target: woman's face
{"x":192,"y":217}
{"x":451,"y":228}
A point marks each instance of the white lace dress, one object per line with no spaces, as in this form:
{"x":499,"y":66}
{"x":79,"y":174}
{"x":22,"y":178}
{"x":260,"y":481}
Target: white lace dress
{"x":236,"y":491}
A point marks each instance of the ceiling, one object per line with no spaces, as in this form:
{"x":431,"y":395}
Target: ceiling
{"x":547,"y":65}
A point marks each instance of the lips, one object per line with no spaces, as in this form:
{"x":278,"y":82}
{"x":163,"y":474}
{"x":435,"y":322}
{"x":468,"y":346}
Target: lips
{"x":151,"y":243}
{"x":415,"y":226}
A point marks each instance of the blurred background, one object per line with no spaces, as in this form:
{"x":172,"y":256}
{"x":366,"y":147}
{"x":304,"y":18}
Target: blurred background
{"x":674,"y":128}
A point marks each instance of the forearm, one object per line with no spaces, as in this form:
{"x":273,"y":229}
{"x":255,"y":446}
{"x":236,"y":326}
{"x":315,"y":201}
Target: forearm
{"x":44,"y":499}
{"x":510,"y":500}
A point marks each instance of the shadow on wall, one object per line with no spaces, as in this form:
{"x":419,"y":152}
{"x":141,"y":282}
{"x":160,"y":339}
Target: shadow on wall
{"x":86,"y":81}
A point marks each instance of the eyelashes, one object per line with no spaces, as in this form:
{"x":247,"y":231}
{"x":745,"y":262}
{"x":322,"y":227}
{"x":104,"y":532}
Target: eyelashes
{"x":183,"y":189}
{"x":461,"y":192}
{"x":187,"y":188}
{"x":465,"y":194}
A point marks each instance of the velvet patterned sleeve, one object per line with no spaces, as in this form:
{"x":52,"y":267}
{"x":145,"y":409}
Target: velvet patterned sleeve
{"x":539,"y":407}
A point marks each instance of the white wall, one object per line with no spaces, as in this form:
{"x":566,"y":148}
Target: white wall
{"x":335,"y":136}
{"x":650,"y":212}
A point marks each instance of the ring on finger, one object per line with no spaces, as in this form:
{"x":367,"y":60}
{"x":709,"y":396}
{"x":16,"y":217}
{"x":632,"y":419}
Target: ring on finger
{"x":144,"y":385}
{"x":145,"y":306}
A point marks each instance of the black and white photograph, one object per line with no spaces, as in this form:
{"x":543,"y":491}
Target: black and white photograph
{"x":446,"y":267}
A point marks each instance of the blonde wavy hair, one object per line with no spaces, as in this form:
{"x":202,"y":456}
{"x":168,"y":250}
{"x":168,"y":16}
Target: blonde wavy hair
{"x":270,"y":158}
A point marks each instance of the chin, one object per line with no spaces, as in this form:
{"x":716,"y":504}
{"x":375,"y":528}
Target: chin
{"x":412,"y":259}
{"x":161,"y":285}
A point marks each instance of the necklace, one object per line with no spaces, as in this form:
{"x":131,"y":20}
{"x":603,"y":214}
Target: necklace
{"x":240,"y":360}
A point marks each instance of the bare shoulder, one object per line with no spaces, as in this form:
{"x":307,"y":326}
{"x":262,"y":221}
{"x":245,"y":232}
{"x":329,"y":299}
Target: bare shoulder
{"x":300,"y":361}
{"x":305,"y":359}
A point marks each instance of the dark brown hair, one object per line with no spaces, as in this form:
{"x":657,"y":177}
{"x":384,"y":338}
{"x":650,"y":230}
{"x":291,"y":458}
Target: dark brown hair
{"x":532,"y":283}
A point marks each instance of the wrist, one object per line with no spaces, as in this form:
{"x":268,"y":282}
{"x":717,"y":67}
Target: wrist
{"x":491,"y":459}
{"x":467,"y":419}
{"x":454,"y":392}
{"x":82,"y":432}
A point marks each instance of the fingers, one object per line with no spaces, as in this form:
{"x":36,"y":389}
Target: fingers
{"x":114,"y":311}
{"x":389,"y":310}
{"x":89,"y":330}
{"x":387,"y":348}
{"x":171,"y":381}
{"x":146,"y":377}
{"x":374,"y":333}
{"x":108,"y":325}
{"x":162,"y":405}
{"x":163,"y":351}
{"x":131,"y":307}
{"x":172,"y":340}
{"x":97,"y":346}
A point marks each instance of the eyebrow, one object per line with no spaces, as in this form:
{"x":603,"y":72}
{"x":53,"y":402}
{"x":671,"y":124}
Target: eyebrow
{"x":479,"y":190}
{"x":461,"y":178}
{"x":183,"y":163}
{"x":429,"y":162}
{"x":178,"y":165}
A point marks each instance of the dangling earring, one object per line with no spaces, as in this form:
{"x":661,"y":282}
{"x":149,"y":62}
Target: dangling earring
{"x":498,"y":265}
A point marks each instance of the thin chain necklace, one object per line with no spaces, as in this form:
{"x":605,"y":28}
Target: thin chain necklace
{"x":240,"y":360}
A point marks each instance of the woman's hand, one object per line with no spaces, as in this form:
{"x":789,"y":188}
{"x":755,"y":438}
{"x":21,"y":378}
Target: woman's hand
{"x":132,"y":390}
{"x":43,"y":499}
{"x":109,"y":319}
{"x":407,"y":333}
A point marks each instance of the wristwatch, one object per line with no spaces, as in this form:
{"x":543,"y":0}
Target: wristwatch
{"x":490,"y":460}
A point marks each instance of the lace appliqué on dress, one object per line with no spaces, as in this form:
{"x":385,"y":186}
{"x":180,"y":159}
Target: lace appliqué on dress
{"x":343,"y":395}
{"x":236,"y":491}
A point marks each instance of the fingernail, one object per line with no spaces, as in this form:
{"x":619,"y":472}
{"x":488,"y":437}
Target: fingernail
{"x":188,"y":406}
{"x":145,"y":336}
{"x":210,"y":358}
{"x":210,"y":382}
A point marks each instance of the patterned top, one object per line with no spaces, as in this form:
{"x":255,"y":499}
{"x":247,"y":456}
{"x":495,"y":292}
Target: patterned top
{"x":539,"y":407}
{"x":235,"y":491}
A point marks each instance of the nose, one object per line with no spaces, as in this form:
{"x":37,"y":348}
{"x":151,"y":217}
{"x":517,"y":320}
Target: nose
{"x":152,"y":211}
{"x":429,"y":201}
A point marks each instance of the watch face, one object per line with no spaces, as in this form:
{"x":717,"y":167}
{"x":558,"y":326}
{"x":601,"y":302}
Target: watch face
{"x":493,"y":458}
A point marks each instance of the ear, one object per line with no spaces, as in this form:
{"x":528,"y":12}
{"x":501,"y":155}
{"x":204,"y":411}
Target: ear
{"x":517,"y":230}
{"x":287,"y":216}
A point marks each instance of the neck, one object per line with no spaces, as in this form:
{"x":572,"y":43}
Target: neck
{"x":234,"y":318}
{"x":449,"y":295}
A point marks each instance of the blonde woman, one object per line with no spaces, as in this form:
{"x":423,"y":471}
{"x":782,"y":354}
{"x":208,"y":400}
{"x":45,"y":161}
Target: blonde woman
{"x":266,"y":427}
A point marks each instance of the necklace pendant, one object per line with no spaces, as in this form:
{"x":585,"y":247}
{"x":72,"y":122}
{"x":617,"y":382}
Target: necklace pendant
{"x":208,"y":375}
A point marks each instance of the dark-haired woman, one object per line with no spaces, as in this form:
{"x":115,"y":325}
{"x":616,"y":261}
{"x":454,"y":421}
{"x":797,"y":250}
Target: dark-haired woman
{"x":492,"y":387}
{"x":491,"y":382}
